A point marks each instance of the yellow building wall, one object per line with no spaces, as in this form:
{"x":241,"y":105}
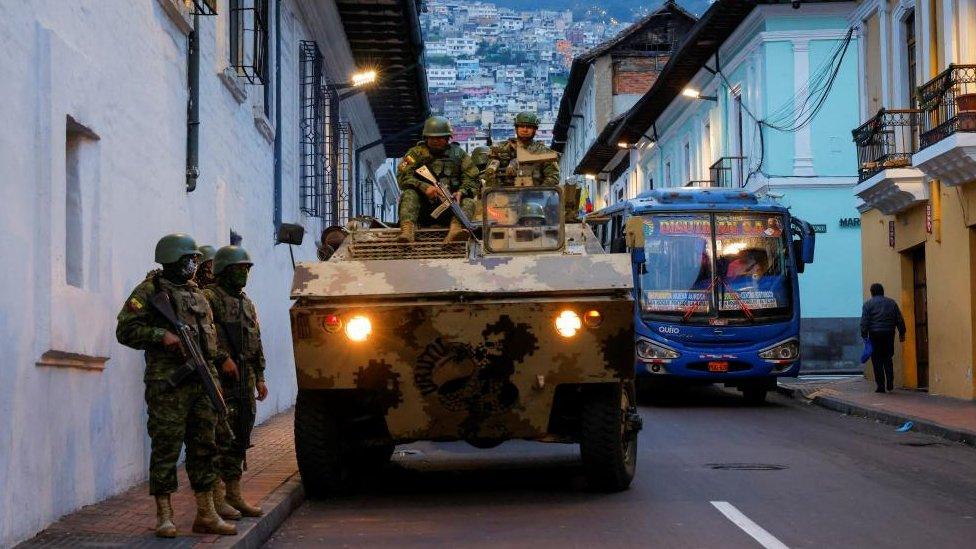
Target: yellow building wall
{"x":950,"y":253}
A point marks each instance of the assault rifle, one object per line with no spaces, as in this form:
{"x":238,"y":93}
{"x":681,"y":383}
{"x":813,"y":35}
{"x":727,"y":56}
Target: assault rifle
{"x":196,"y":363}
{"x":242,"y":429}
{"x":447,"y":200}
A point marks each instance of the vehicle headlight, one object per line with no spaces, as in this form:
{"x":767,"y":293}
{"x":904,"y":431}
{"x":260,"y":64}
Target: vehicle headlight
{"x":568,"y":323}
{"x":358,"y":328}
{"x":787,"y":350}
{"x":650,"y":351}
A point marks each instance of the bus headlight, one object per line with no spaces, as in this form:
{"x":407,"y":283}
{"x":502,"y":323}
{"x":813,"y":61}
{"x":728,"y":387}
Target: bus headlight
{"x":783,"y":351}
{"x":358,"y":328}
{"x":649,"y":351}
{"x":568,"y":323}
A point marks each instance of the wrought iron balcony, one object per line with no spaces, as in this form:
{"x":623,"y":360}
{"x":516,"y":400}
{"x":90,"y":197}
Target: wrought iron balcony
{"x":887,"y":140}
{"x":949,"y":100}
{"x":727,"y":172}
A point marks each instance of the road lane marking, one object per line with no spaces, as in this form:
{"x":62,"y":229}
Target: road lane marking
{"x":757,"y":532}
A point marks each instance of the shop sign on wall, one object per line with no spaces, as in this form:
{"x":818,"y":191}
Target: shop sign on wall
{"x":891,"y":233}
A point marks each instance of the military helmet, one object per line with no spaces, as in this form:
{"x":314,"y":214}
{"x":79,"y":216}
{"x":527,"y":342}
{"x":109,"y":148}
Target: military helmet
{"x":207,"y":252}
{"x":526,"y":118}
{"x":480,"y":156}
{"x":172,"y":247}
{"x":531,"y":210}
{"x":437,"y":126}
{"x":230,"y":255}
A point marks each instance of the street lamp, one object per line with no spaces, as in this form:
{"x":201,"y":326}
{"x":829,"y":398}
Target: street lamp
{"x":359,"y":79}
{"x":696,"y":94}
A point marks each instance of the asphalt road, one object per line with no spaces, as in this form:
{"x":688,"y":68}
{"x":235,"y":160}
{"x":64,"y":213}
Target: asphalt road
{"x":834,"y":481}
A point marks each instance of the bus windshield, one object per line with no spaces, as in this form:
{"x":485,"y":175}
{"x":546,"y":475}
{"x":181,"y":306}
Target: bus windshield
{"x":715,"y":268}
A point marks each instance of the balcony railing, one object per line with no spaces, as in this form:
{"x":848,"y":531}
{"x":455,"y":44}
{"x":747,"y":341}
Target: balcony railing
{"x":949,"y":100}
{"x":888,"y":140}
{"x":727,"y":172}
{"x":704,"y":183}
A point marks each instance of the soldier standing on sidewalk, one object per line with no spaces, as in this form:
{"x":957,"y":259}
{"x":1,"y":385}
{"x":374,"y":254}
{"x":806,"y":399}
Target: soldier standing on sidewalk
{"x":240,"y":336}
{"x":180,"y":414}
{"x":204,"y":275}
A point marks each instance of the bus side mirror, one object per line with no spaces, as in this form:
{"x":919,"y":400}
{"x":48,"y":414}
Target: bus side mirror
{"x":798,"y":255}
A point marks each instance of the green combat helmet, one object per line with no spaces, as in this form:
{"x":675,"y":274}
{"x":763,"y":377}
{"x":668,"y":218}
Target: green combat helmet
{"x":437,"y":126}
{"x":526,"y":118}
{"x":531,"y":214}
{"x":230,"y":255}
{"x":207,"y":252}
{"x":480,"y":157}
{"x":172,"y":247}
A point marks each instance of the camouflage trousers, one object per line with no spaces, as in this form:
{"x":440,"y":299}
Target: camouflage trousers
{"x":180,"y":416}
{"x":234,"y":435}
{"x":416,"y":207}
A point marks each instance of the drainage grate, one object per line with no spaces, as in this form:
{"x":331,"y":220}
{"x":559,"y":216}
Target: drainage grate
{"x":746,"y":466}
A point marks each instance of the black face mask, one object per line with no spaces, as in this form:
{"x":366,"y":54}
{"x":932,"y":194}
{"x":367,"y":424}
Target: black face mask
{"x":181,"y":271}
{"x":234,"y":280}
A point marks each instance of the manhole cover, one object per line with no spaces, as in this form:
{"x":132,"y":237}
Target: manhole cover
{"x":746,"y":466}
{"x":920,"y":443}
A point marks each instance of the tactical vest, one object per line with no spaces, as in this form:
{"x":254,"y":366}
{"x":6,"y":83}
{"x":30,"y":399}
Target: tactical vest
{"x":192,"y":308}
{"x":239,"y":318}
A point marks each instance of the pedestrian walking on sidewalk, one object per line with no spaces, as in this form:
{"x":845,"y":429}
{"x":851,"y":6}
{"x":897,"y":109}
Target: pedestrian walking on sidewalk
{"x":180,"y":412}
{"x":239,"y":335}
{"x":880,"y":317}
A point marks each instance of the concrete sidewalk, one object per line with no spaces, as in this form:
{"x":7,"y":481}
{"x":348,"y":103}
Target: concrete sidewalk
{"x":128,"y":519}
{"x":945,"y":417}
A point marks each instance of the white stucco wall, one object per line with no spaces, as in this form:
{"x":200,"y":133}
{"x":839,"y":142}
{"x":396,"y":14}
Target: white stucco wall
{"x":70,"y":437}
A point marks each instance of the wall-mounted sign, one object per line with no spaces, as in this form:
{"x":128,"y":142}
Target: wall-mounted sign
{"x":819,"y":228}
{"x":928,"y":218}
{"x":891,"y":234}
{"x":850,"y":222}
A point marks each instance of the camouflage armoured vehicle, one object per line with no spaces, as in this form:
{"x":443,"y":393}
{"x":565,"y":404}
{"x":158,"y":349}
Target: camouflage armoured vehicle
{"x":524,"y":334}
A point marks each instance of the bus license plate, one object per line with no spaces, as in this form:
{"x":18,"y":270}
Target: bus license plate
{"x":718,"y":366}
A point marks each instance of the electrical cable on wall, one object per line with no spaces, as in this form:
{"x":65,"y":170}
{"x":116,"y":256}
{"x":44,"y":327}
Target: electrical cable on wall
{"x":800,"y":110}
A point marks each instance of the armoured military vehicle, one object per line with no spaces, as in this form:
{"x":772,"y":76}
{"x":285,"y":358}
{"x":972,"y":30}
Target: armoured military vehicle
{"x":525,"y":332}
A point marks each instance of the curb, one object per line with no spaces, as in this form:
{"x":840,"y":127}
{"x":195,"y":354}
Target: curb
{"x":279,"y":504}
{"x":922,"y":425}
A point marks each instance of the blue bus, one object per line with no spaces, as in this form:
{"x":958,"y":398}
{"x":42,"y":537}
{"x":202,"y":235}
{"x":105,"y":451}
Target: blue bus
{"x":715,"y":283}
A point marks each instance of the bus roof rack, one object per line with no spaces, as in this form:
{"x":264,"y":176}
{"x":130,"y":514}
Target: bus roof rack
{"x":700,"y":196}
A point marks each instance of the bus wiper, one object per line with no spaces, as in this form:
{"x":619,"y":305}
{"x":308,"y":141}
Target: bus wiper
{"x":690,"y":310}
{"x":738,"y":300}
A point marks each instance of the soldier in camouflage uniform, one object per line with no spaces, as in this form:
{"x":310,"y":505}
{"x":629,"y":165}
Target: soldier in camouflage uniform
{"x":480,"y":157}
{"x":204,"y":276}
{"x":240,"y":336}
{"x":502,"y":165}
{"x":180,"y":414}
{"x":450,"y":165}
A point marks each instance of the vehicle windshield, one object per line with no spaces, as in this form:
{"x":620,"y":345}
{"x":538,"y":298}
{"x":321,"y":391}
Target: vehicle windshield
{"x":715,"y":268}
{"x":523,"y":219}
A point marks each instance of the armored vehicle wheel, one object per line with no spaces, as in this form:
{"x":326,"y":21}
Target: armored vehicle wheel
{"x":608,"y":442}
{"x":319,"y":446}
{"x":370,"y":444}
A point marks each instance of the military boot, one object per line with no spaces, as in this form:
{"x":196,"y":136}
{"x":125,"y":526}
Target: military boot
{"x":456,"y":233}
{"x":236,"y":500}
{"x":207,"y":520}
{"x":164,"y":517}
{"x":221,"y":505}
{"x":407,"y":232}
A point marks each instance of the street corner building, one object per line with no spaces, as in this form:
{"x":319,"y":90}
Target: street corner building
{"x":916,"y":154}
{"x":128,"y":120}
{"x":754,"y":96}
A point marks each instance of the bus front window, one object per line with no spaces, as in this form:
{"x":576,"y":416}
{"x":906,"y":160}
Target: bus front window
{"x":715,"y":268}
{"x":677,"y":279}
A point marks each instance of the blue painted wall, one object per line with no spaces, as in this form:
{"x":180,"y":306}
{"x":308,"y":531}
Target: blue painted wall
{"x":833,"y":148}
{"x":779,"y":92}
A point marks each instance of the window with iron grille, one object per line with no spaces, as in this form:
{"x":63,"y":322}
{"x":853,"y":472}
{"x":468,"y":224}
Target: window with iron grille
{"x":314,"y":193}
{"x":249,"y":39}
{"x":205,"y":7}
{"x":345,"y":171}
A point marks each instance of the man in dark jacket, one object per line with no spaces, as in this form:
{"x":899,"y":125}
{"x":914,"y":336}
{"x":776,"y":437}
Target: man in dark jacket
{"x":879,"y":319}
